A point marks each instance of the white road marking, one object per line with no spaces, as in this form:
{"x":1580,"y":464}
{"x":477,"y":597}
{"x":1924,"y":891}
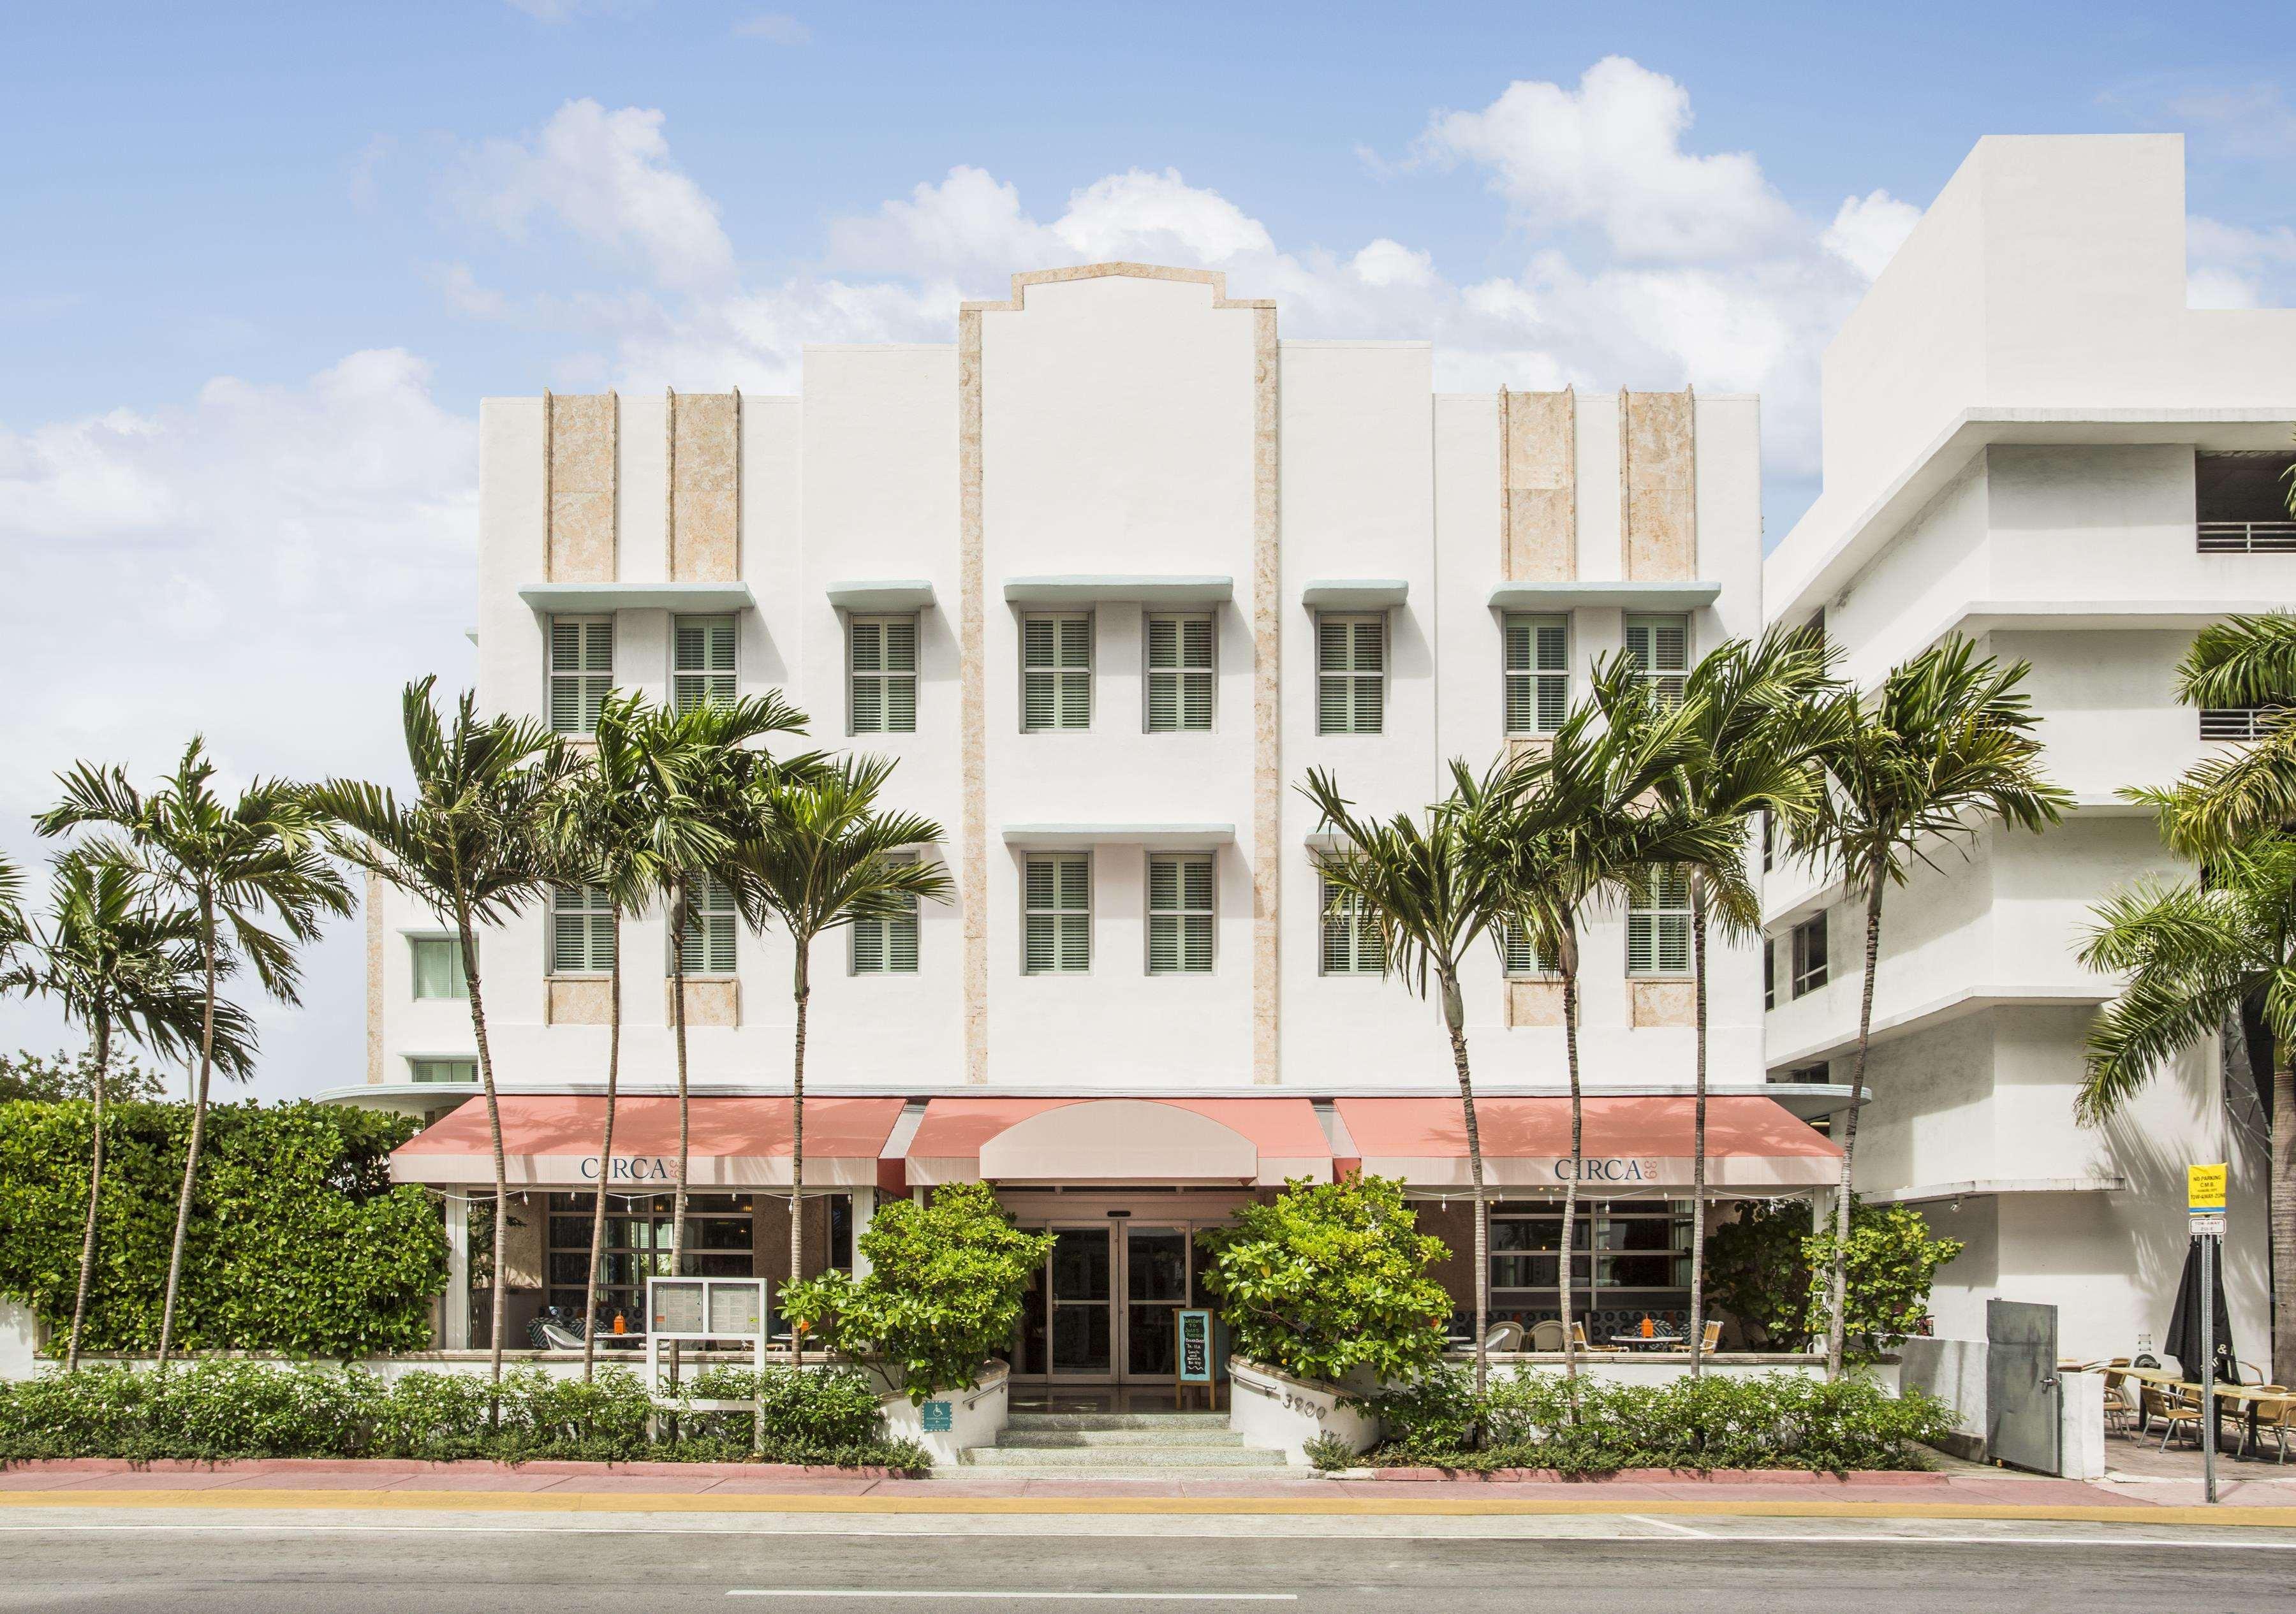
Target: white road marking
{"x":922,"y":1595}
{"x":1668,"y":1524}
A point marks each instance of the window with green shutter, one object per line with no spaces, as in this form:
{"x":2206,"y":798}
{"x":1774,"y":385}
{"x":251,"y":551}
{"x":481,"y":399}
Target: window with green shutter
{"x":581,"y":930}
{"x":702,"y":671}
{"x":442,"y":1069}
{"x":1180,"y":914}
{"x":1352,"y":942}
{"x":1351,"y":674}
{"x":1658,"y":925}
{"x":883,"y":650}
{"x":1660,"y":649}
{"x":1056,"y":671}
{"x":438,"y":967}
{"x":1537,"y":674}
{"x":1057,"y":916}
{"x":581,"y":671}
{"x":888,"y":946}
{"x":1522,"y":958}
{"x":1179,"y":673}
{"x":710,"y":925}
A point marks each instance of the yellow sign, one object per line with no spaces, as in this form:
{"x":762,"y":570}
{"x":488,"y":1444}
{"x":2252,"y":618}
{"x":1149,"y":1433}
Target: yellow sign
{"x":2205,"y":1188}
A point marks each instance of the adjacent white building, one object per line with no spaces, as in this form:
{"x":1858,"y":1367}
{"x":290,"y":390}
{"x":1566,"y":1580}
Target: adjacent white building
{"x":1107,"y":573}
{"x":2031,"y":439}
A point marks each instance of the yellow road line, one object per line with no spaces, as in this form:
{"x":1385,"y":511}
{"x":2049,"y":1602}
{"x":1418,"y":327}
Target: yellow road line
{"x":607,"y":1502}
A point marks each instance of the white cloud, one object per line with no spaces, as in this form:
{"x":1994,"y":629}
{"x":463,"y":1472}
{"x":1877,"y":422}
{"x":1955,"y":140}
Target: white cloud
{"x":606,"y":176}
{"x":775,"y":28}
{"x":2233,"y":267}
{"x":1867,"y":231}
{"x":1609,"y":154}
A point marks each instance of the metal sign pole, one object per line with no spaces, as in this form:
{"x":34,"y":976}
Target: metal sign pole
{"x":2209,"y":1371}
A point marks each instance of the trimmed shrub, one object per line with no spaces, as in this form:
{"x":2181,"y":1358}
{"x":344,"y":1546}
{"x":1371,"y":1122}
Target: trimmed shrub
{"x":215,"y":1409}
{"x":1589,"y":1426}
{"x":298,"y":1242}
{"x":1331,"y":1277}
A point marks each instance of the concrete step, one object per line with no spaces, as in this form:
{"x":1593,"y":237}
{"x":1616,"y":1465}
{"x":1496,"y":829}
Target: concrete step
{"x":1101,"y":1457}
{"x":1057,"y":1439}
{"x":1207,"y":1422}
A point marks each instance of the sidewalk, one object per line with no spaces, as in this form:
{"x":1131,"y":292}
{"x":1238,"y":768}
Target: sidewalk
{"x":328,"y":1484}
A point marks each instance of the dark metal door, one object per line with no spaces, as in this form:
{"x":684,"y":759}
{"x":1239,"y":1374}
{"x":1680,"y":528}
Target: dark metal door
{"x":2022,"y":1396}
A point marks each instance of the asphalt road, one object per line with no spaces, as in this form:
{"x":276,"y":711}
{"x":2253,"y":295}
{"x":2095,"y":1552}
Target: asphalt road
{"x":263,"y":1569}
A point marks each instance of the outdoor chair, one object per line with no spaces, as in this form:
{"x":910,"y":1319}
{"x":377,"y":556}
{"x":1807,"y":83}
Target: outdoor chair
{"x":555,"y":1338}
{"x":2119,"y":1408}
{"x":1578,"y":1336}
{"x":1503,"y":1336}
{"x":1711,"y":1339}
{"x":1546,"y":1335}
{"x":2173,"y":1411}
{"x":2275,"y":1418}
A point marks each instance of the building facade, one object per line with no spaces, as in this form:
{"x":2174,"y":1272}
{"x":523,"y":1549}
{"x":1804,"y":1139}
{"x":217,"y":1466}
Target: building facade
{"x":2031,"y":440}
{"x":1106,"y":574}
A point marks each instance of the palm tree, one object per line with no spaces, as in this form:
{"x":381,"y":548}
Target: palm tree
{"x":233,"y":864}
{"x":690,"y":770}
{"x":1587,"y":822}
{"x":1431,"y":896}
{"x":1944,"y":749}
{"x":473,"y":845}
{"x":1759,"y":727}
{"x":816,"y":854}
{"x":603,"y":835}
{"x":123,"y":967}
{"x":2197,"y":953}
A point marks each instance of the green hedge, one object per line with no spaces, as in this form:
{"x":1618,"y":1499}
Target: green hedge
{"x":214,"y":1409}
{"x":1588,"y":1426}
{"x":299,"y":1242}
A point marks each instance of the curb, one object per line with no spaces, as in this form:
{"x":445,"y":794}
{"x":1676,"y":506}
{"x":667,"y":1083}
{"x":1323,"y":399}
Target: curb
{"x":1785,"y":1477}
{"x":383,"y":1466}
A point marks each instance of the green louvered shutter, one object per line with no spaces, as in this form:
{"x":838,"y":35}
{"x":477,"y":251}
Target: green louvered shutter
{"x":1537,"y":674}
{"x":1658,"y":926}
{"x":702,"y":665}
{"x":1180,"y":914}
{"x":1179,"y":673}
{"x":1058,"y":915}
{"x":888,"y":945}
{"x":581,"y":671}
{"x":710,"y":928}
{"x":1351,"y":674}
{"x":1056,"y":672}
{"x":1660,"y":649}
{"x":884,"y":675}
{"x":581,"y":930}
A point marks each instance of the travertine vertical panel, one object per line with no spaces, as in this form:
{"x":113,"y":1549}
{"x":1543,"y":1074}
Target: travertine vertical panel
{"x":1658,"y":502}
{"x":580,"y":436}
{"x":705,"y":486}
{"x":374,"y":944}
{"x":1539,"y":490}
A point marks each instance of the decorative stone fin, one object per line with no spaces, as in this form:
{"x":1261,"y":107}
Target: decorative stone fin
{"x":702,"y":458}
{"x":582,"y":438}
{"x":1658,"y":486}
{"x":1539,"y":490}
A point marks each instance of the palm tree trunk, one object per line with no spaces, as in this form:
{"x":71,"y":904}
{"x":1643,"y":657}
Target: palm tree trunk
{"x":1698,"y":1133}
{"x":494,"y":1137}
{"x":1837,"y":1280}
{"x":199,"y":1129}
{"x":2282,"y":1214}
{"x":95,"y":1188}
{"x":1455,"y":1019}
{"x":797,"y":1134}
{"x":605,"y":1153}
{"x":678,"y":910}
{"x":1578,"y":1120}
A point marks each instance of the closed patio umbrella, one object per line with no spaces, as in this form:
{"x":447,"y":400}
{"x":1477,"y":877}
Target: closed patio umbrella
{"x":2184,"y":1337}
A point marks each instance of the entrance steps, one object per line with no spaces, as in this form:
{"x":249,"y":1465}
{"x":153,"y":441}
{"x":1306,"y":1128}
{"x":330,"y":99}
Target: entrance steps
{"x":1132,"y":1441}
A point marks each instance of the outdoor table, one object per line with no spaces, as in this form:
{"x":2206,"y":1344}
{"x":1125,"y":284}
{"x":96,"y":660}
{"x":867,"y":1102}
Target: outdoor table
{"x":2255,"y":1396}
{"x":1648,"y":1341}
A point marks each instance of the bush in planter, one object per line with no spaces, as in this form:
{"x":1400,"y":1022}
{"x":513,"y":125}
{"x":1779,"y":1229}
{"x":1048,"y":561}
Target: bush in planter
{"x":1766,"y":1269}
{"x":1330,"y":1278}
{"x":945,"y":1287}
{"x":816,"y":1410}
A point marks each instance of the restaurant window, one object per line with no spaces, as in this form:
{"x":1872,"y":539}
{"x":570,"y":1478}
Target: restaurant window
{"x":720,"y":1240}
{"x":438,"y":967}
{"x":1631,"y":1260}
{"x":1658,"y":924}
{"x":1809,"y":954}
{"x":1353,"y":944}
{"x":1537,"y":674}
{"x":442,"y":1071}
{"x":581,"y":930}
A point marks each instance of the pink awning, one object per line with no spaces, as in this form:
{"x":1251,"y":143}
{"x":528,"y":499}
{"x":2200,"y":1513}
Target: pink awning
{"x":551,"y":1140}
{"x":1626,"y":1143}
{"x":1259,"y":1141}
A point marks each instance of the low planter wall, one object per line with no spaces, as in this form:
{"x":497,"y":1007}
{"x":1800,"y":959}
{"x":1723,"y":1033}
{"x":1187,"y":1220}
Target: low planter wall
{"x":1276,"y":1412}
{"x":952,"y":1421}
{"x":1654,"y":1368}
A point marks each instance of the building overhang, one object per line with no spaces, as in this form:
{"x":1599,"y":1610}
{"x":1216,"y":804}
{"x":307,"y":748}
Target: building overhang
{"x":1139,"y":590}
{"x":585,"y":599}
{"x":1801,"y":576}
{"x":1839,"y":1040}
{"x":900,"y":595}
{"x":1986,"y":1188}
{"x":1613,"y":595}
{"x":1355,"y":593}
{"x":1083,"y":837}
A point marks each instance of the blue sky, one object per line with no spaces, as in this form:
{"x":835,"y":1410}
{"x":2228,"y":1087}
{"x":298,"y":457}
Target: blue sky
{"x":258,"y":264}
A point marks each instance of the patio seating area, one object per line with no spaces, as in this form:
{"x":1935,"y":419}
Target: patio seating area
{"x":2254,"y":1418}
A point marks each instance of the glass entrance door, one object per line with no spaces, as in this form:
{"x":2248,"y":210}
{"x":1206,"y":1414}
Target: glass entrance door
{"x":1082,"y":1289}
{"x":1155,"y":1288}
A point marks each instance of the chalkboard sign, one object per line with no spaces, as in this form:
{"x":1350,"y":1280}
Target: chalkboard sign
{"x":1195,"y":1348}
{"x":938,"y":1416}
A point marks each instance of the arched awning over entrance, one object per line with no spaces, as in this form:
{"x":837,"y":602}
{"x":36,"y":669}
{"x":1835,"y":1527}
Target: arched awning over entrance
{"x":1227,"y":1142}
